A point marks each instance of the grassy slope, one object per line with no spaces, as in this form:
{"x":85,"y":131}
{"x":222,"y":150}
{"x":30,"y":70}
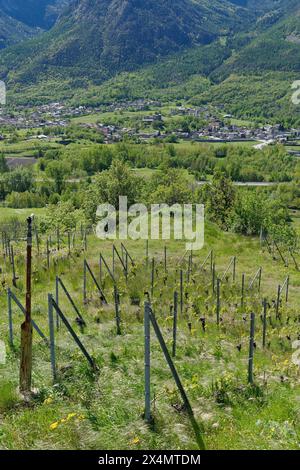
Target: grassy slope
{"x":108,"y":407}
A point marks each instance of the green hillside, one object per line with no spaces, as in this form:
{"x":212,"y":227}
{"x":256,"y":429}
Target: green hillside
{"x":34,"y":13}
{"x":121,"y":36}
{"x":12,"y":31}
{"x":241,"y":55}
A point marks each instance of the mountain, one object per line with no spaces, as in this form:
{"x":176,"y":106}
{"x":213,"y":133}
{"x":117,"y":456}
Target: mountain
{"x":98,"y":38}
{"x":34,"y":13}
{"x":12,"y":31}
{"x":277,"y":49}
{"x":232,"y":54}
{"x":20,"y":20}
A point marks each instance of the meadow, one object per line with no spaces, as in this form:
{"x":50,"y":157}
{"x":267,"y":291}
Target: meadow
{"x":103,"y":409}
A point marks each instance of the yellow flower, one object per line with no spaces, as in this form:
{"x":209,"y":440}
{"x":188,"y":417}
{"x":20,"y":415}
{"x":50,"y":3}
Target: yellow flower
{"x":48,"y":401}
{"x":70,"y":416}
{"x":54,"y":426}
{"x":135,"y":441}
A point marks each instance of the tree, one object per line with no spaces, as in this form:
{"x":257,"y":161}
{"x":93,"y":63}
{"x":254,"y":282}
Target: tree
{"x":58,"y":170}
{"x":255,"y":210}
{"x":63,"y":216}
{"x":108,"y":186}
{"x":18,"y":180}
{"x":170,"y":186}
{"x":219,"y":198}
{"x":3,"y":164}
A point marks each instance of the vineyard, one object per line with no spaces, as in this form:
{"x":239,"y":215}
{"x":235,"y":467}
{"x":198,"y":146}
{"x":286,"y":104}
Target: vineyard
{"x":143,"y":345}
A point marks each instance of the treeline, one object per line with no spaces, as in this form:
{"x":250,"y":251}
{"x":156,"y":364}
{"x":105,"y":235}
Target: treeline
{"x":245,"y":211}
{"x":58,"y":170}
{"x":240,"y":163}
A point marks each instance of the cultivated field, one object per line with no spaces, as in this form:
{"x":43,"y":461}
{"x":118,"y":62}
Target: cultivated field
{"x":103,"y":407}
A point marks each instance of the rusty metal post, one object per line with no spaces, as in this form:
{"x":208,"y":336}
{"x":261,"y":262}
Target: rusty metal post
{"x":26,"y":328}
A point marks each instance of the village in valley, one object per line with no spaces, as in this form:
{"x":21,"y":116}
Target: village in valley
{"x":150,"y":123}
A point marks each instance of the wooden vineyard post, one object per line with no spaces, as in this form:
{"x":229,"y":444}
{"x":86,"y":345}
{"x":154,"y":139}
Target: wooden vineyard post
{"x":148,"y":418}
{"x":117,"y":310}
{"x":26,"y":328}
{"x":265,"y":305}
{"x":243,"y":291}
{"x":251,"y":349}
{"x":175,"y":314}
{"x":218,"y":300}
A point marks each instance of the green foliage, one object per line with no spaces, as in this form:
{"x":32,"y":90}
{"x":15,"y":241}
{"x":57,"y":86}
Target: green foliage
{"x":169,"y":187}
{"x":63,"y":215}
{"x":58,"y":171}
{"x":3,"y":164}
{"x":219,"y":200}
{"x":25,"y":200}
{"x":8,"y":396}
{"x":257,"y":210}
{"x":19,"y":180}
{"x":108,"y":186}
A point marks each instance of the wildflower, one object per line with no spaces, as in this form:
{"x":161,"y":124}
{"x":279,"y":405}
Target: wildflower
{"x":135,"y":441}
{"x":48,"y":401}
{"x":54,"y":426}
{"x":70,"y":416}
